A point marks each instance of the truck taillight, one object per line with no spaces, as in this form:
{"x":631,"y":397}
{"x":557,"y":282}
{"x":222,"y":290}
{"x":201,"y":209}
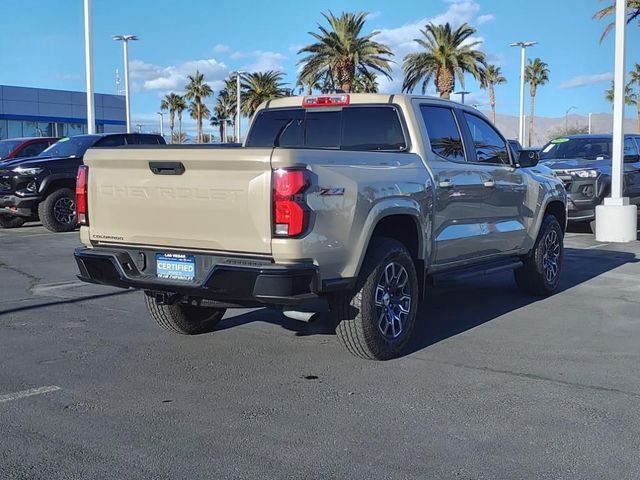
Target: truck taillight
{"x":289,"y":212}
{"x":82,"y":210}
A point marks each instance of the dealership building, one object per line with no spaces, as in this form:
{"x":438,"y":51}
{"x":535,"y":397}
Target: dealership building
{"x":40,"y":112}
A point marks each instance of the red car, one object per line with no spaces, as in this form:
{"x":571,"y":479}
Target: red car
{"x":24,"y":147}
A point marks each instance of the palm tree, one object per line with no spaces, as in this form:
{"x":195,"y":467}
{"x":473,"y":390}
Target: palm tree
{"x":180,"y":106}
{"x":180,"y":137}
{"x":199,"y":112}
{"x":634,"y":76}
{"x":536,"y":73}
{"x":365,"y":83}
{"x":630,"y":98}
{"x":342,"y":50}
{"x":196,"y":91}
{"x":170,"y":102}
{"x":492,"y":76}
{"x":446,"y":54}
{"x":223,"y":114}
{"x":633,"y":12}
{"x":259,"y":87}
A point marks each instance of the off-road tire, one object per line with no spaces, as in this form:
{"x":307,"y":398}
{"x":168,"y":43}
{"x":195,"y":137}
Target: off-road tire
{"x":48,"y":215}
{"x":7,"y":221}
{"x":184,"y":319}
{"x":533,"y":278}
{"x":356,"y":312}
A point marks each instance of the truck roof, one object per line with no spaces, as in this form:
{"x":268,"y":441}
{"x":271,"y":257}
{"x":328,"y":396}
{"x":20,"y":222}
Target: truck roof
{"x":360,"y":98}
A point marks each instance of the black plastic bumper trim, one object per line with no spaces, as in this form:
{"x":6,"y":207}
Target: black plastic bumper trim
{"x":250,"y":286}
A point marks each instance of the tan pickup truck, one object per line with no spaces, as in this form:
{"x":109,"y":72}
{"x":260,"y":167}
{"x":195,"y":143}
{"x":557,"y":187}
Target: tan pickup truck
{"x":362,"y":200}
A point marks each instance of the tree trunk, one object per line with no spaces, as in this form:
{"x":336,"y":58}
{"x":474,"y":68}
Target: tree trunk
{"x":531,"y":117}
{"x":492,"y":102}
{"x":222,"y":132}
{"x":199,"y":124}
{"x":638,"y":120}
{"x":445,"y":82}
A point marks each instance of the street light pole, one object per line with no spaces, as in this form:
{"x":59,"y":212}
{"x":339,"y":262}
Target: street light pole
{"x":566,"y":119}
{"x":523,"y":47}
{"x":238,"y":105}
{"x":617,"y":219}
{"x":88,"y":52}
{"x":127,"y":95}
{"x":161,"y":124}
{"x":590,"y":123}
{"x":462,"y":93}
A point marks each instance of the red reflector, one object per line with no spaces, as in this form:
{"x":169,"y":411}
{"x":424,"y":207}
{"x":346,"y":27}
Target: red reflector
{"x":338,"y":100}
{"x":81,"y":195}
{"x":289,"y":216}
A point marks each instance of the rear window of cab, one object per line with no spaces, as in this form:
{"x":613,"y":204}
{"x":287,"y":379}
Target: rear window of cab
{"x":356,"y":128}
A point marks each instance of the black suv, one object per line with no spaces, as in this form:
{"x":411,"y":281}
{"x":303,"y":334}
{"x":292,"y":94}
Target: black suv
{"x":583,"y":162}
{"x":43,"y":187}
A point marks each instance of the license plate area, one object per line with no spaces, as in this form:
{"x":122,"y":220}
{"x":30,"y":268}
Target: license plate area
{"x":175,"y":266}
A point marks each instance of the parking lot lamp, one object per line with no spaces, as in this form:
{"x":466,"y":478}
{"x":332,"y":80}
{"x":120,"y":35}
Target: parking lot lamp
{"x":616,"y":219}
{"x":127,"y":95}
{"x":566,"y":119}
{"x":523,"y":47}
{"x":161,"y":124}
{"x":88,"y":54}
{"x":462,"y":94}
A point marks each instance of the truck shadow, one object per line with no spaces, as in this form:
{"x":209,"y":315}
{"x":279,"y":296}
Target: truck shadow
{"x":451,"y":310}
{"x":454,"y":309}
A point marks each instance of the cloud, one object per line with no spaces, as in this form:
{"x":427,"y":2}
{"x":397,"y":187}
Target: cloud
{"x":373,"y":15}
{"x":583,"y":80}
{"x":401,"y":39}
{"x":149,"y":76}
{"x":485,"y":18}
{"x":260,"y":60}
{"x":221,"y":48}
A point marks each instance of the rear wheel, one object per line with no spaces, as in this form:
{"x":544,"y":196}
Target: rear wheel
{"x":7,"y":221}
{"x":540,"y":274}
{"x":184,"y":319}
{"x":377,"y":320}
{"x":57,"y":212}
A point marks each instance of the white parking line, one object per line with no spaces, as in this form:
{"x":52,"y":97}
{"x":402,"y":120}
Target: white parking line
{"x":28,"y":393}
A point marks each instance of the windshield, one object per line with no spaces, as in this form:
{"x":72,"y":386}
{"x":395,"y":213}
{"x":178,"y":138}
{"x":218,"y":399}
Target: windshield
{"x":8,"y":146}
{"x":69,"y":147}
{"x":585,"y":148}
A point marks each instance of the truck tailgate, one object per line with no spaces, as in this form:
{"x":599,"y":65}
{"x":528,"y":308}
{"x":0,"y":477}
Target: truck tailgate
{"x":214,"y":199}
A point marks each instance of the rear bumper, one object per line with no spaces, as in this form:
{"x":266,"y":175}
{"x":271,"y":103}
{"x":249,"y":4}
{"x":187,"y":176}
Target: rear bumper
{"x":247,"y":286}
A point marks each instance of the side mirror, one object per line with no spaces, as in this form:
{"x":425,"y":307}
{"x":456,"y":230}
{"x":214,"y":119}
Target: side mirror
{"x":631,"y":158}
{"x":528,"y":158}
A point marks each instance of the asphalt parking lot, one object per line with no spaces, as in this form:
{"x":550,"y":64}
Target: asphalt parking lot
{"x":497,"y":385}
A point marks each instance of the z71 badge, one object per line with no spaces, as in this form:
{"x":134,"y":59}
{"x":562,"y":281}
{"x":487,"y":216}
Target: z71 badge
{"x":331,"y":192}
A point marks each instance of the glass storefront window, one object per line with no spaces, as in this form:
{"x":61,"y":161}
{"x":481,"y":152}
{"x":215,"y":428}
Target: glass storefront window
{"x":14,"y":128}
{"x":3,"y":130}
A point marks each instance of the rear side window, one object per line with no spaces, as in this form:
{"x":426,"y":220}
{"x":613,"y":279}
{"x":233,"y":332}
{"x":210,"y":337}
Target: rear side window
{"x":630,"y":147}
{"x":444,"y":134}
{"x":111,"y":141}
{"x":145,"y":139}
{"x":33,"y":149}
{"x":489,"y":145}
{"x":364,"y":128}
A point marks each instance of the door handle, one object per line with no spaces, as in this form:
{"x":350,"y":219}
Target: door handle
{"x":445,"y":183}
{"x":489,"y":183}
{"x":166,"y":168}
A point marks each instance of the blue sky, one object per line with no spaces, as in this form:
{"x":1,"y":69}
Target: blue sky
{"x":43,"y":46}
